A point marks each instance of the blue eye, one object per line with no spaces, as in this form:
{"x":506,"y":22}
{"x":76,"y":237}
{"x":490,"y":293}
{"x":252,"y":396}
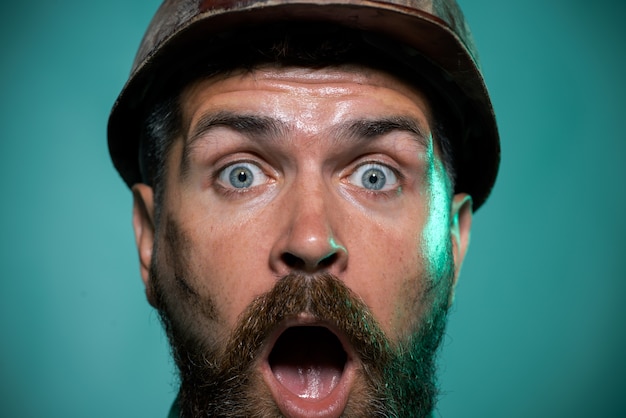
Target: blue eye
{"x":242,"y":176}
{"x":374,"y":177}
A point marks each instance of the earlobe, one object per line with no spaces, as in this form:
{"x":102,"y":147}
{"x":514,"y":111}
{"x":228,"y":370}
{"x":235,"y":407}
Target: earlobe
{"x":460,"y":228}
{"x":143,"y":225}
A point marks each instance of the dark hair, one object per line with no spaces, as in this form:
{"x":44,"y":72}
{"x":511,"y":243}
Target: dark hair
{"x":313,"y":45}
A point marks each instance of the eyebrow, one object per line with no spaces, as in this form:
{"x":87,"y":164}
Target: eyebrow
{"x":268,"y":129}
{"x":368,"y":129}
{"x":260,"y":127}
{"x":253,"y":125}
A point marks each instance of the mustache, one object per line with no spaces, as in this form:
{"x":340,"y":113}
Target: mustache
{"x":324,"y":297}
{"x":219,"y":380}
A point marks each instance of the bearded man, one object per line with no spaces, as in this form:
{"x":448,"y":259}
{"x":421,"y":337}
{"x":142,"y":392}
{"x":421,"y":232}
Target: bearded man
{"x":304,"y":176}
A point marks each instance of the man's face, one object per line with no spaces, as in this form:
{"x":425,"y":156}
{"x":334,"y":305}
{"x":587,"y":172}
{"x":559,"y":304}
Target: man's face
{"x":291,"y":186}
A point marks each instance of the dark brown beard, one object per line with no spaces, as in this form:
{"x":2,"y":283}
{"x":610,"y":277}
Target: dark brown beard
{"x":217,"y":379}
{"x":396,"y":379}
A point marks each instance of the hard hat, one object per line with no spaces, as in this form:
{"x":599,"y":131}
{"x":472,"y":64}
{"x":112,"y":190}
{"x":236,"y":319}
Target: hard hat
{"x":433,"y":29}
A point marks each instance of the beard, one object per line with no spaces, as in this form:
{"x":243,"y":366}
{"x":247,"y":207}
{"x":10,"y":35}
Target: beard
{"x":397,"y":379}
{"x":221,"y":378}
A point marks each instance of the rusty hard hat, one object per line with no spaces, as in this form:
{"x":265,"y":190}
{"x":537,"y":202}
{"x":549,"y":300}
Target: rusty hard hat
{"x":433,"y":29}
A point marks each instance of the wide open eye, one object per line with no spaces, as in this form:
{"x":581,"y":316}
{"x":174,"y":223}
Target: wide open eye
{"x":376,"y":177}
{"x":242,"y":176}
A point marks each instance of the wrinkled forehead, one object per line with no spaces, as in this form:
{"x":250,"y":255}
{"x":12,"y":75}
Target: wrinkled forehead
{"x":268,"y":86}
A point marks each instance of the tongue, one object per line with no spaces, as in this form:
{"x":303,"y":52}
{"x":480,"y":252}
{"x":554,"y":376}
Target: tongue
{"x":308,"y":361}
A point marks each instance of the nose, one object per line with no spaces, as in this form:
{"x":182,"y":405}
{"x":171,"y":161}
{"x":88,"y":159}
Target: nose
{"x":308,"y":241}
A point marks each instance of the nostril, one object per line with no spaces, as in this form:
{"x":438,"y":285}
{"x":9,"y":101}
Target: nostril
{"x":297,"y":263}
{"x":293,"y":261}
{"x":328,"y":261}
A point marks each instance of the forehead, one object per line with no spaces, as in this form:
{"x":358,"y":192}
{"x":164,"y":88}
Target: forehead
{"x":312,"y":97}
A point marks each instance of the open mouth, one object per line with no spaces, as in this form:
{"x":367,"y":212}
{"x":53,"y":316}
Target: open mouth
{"x":309,"y":372}
{"x":308,"y":361}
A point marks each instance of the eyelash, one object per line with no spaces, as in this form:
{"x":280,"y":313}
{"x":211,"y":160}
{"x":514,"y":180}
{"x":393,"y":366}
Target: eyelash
{"x":232,"y":191}
{"x":372,"y":193}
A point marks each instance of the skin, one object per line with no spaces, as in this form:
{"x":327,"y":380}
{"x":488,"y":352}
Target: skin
{"x":308,"y":209}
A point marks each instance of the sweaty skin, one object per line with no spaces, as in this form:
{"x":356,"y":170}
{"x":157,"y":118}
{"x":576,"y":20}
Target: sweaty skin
{"x":270,"y":176}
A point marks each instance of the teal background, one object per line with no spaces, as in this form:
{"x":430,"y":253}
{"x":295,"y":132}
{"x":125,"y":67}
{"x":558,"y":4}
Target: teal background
{"x":538,"y":326}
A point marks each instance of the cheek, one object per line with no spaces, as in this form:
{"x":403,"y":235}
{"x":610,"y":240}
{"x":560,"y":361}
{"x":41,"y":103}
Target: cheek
{"x":390,"y":274}
{"x":225,"y":261}
{"x":181,"y":296}
{"x":408,"y":306}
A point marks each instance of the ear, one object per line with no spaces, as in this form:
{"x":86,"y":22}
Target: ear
{"x":143,"y":225}
{"x":460,"y":226}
